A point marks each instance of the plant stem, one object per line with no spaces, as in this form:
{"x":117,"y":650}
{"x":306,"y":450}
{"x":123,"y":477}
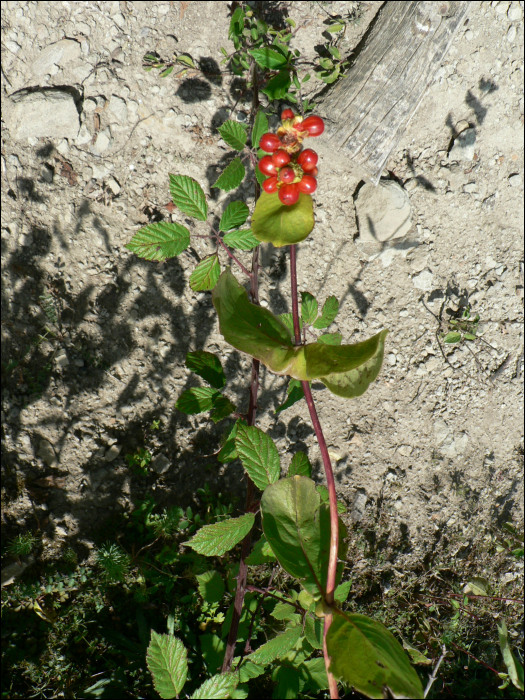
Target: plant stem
{"x":334,"y":518}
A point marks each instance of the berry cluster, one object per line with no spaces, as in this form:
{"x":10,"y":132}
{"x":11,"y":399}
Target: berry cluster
{"x":290,"y":169}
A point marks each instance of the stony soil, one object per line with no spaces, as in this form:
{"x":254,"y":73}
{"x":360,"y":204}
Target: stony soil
{"x":432,"y":450}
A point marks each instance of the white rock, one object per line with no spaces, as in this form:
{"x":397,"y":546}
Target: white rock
{"x":113,"y":185}
{"x":112,"y":453}
{"x":423,"y":281}
{"x":391,"y":359}
{"x":62,"y":53}
{"x":501,"y":7}
{"x":464,"y":144}
{"x":45,"y":113}
{"x":46,"y":451}
{"x":431,"y":364}
{"x":515,"y":12}
{"x":460,"y":443}
{"x":161,"y":464}
{"x":62,"y":359}
{"x":83,"y":137}
{"x":470,"y":188}
{"x":405,"y":450}
{"x":441,"y":431}
{"x":117,"y":106}
{"x":383,"y":212}
{"x":490,"y":263}
{"x":103,"y":141}
{"x":515,"y":180}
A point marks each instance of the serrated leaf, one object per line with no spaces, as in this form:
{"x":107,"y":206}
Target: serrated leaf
{"x":160,"y":241}
{"x":211,"y":586}
{"x":166,"y":72}
{"x":276,"y":223}
{"x":308,"y":307}
{"x":188,"y":196}
{"x":208,"y":366}
{"x":300,"y":465}
{"x":234,"y":134}
{"x":289,"y":682}
{"x":228,"y":452}
{"x":236,"y":22}
{"x":330,"y":339}
{"x":260,"y":554}
{"x":342,"y":591}
{"x":260,"y":127}
{"x":277,"y":87}
{"x":287,"y":319}
{"x":249,"y":670}
{"x":258,"y":454}
{"x":285,"y":611}
{"x":328,"y":314}
{"x":234,"y":215}
{"x":215,"y":540}
{"x":366,"y":655}
{"x":313,"y":630}
{"x":514,"y":667}
{"x":242,"y":239}
{"x":206,"y":275}
{"x":220,"y":686}
{"x":186,"y":60}
{"x":268,"y":58}
{"x":166,"y":658}
{"x":452,"y":337}
{"x":232,"y":176}
{"x":197,"y":400}
{"x":222,"y":407}
{"x":277,"y":647}
{"x":294,"y":393}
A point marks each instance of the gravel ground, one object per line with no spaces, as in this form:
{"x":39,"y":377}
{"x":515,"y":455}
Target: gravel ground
{"x":88,"y":141}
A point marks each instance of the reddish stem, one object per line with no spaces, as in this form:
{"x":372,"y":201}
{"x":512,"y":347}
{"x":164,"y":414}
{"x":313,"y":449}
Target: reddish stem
{"x":334,"y":518}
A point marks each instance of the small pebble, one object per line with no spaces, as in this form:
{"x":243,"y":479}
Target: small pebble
{"x":515,"y":13}
{"x":515,"y":180}
{"x":511,"y":34}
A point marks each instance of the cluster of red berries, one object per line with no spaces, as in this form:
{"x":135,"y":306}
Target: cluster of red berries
{"x":290,"y":169}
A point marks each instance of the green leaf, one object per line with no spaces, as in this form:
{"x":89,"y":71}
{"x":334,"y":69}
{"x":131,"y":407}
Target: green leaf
{"x":160,"y":241}
{"x":273,"y":222}
{"x":166,"y":72}
{"x":186,"y":60}
{"x":331,"y":77}
{"x":215,"y":540}
{"x":228,"y":452}
{"x":220,"y":686}
{"x":197,"y":400}
{"x":234,"y":215}
{"x":297,"y":527}
{"x":452,"y":337}
{"x":260,"y":554}
{"x":313,"y":630}
{"x":242,"y":239}
{"x":330,"y":338}
{"x":469,"y":336}
{"x":333,"y":28}
{"x":366,"y":655}
{"x":188,"y":196}
{"x":477,"y":585}
{"x":294,"y":393}
{"x":514,"y":667}
{"x":212,"y":648}
{"x":268,"y":58}
{"x":300,"y":465}
{"x":416,"y":657}
{"x":211,"y":586}
{"x":308,"y":308}
{"x":258,"y":454}
{"x":289,"y":682}
{"x":260,"y":127}
{"x":285,"y":611}
{"x":167,"y":661}
{"x":208,"y":366}
{"x":234,"y":134}
{"x":277,"y":647}
{"x":277,"y":87}
{"x":249,"y":670}
{"x":328,"y":314}
{"x":325,"y":498}
{"x":260,"y":177}
{"x":287,"y":319}
{"x":222,"y":407}
{"x":206,"y":274}
{"x":335,"y":52}
{"x":314,"y":672}
{"x":342,"y":591}
{"x":232,"y":176}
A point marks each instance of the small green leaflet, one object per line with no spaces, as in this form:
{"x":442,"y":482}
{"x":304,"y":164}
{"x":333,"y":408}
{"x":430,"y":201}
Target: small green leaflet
{"x":211,"y":586}
{"x":160,"y":241}
{"x":325,"y":498}
{"x":222,"y":407}
{"x":208,"y":366}
{"x":261,"y":553}
{"x":258,"y":454}
{"x":206,"y":275}
{"x":287,"y":319}
{"x":452,"y":337}
{"x":242,"y":239}
{"x":228,"y":451}
{"x":285,"y":611}
{"x":277,"y":87}
{"x":232,"y":176}
{"x":188,"y":196}
{"x":166,"y":658}
{"x":329,"y":312}
{"x":166,"y":72}
{"x":236,"y":22}
{"x":342,"y":591}
{"x":330,"y":339}
{"x":277,"y":647}
{"x":260,"y":127}
{"x":186,"y":60}
{"x":234,"y":134}
{"x":300,"y":465}
{"x":513,"y":665}
{"x":314,"y":631}
{"x":333,"y":28}
{"x":197,"y":400}
{"x":234,"y":215}
{"x":294,"y":393}
{"x":308,"y":308}
{"x":220,"y":686}
{"x":268,"y":58}
{"x":214,"y":540}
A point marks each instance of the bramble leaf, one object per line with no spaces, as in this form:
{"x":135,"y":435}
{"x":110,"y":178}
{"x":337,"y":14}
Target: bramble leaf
{"x":197,"y":400}
{"x":261,"y":553}
{"x":329,"y":312}
{"x":258,"y":454}
{"x":277,"y":87}
{"x":212,"y":648}
{"x":222,"y":407}
{"x":234,"y":215}
{"x":234,"y":134}
{"x":300,"y":465}
{"x":188,"y":196}
{"x":260,"y":127}
{"x":314,"y":632}
{"x":214,"y":540}
{"x":277,"y":647}
{"x":208,"y":366}
{"x":160,"y":241}
{"x":217,"y":687}
{"x":211,"y":586}
{"x":242,"y":239}
{"x":166,"y":658}
{"x":342,"y":591}
{"x":330,"y":339}
{"x":366,"y":655}
{"x":287,"y":319}
{"x":276,"y":223}
{"x":228,"y":451}
{"x":205,"y":276}
{"x":308,"y":307}
{"x":268,"y":58}
{"x":232,"y":176}
{"x":294,"y":393}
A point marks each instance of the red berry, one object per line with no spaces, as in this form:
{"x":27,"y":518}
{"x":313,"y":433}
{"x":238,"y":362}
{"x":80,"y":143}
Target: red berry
{"x":308,"y":184}
{"x":289,"y":194}
{"x":270,"y":185}
{"x":314,"y":172}
{"x":269,"y":143}
{"x":313,"y":125}
{"x":267,"y":166}
{"x":287,"y":114}
{"x":286,"y":175}
{"x":308,"y":159}
{"x":280,"y":158}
